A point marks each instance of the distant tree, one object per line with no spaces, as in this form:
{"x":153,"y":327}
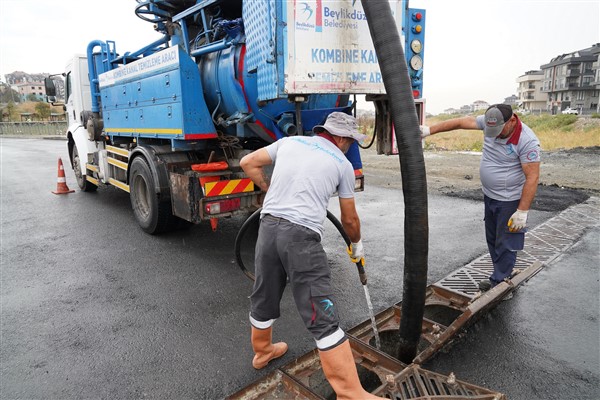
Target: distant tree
{"x":366,"y":123}
{"x":32,"y":97}
{"x":42,"y":110}
{"x":10,"y":108}
{"x":7,"y":94}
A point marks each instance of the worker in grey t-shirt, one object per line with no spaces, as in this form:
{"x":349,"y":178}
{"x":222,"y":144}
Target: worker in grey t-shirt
{"x":307,"y":172}
{"x":509,"y":171}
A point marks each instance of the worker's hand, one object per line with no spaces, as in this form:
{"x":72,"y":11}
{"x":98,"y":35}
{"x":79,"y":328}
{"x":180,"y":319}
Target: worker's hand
{"x":517,"y":221}
{"x":356,"y":251}
{"x":425,"y":131}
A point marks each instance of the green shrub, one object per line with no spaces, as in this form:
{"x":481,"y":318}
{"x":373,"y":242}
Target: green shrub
{"x":550,"y":122}
{"x":476,"y":146}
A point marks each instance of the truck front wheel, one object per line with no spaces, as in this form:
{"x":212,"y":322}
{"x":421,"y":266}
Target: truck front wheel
{"x":152,"y":214}
{"x":82,"y":182}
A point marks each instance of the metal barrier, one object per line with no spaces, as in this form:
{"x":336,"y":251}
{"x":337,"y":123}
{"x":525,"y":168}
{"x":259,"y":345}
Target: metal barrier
{"x":33,"y":128}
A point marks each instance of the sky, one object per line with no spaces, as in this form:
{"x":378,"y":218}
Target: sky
{"x":473,"y":50}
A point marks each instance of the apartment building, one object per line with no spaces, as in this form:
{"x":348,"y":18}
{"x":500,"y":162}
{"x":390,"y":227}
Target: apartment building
{"x":529,"y":92}
{"x":571,"y":80}
{"x":33,"y":84}
{"x":596,"y":81}
{"x":479,"y":105}
{"x":27,"y":89}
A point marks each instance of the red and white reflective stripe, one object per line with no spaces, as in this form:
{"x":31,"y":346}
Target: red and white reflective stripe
{"x":220,"y":188}
{"x":61,"y":180}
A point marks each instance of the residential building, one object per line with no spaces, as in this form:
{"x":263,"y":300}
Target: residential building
{"x":26,"y":84}
{"x":569,"y":80}
{"x":596,"y":81}
{"x":511,"y":100}
{"x":529,"y":92}
{"x":27,"y":89}
{"x":479,"y":105}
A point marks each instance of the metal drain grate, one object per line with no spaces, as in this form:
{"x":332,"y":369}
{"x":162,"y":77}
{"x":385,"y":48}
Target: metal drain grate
{"x":453,"y":303}
{"x":380,"y":374}
{"x":414,"y":382}
{"x":463,"y":281}
{"x":542,"y":243}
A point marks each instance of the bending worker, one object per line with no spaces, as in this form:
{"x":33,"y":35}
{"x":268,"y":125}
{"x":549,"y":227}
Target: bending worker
{"x":509,"y":172}
{"x":307,"y":172}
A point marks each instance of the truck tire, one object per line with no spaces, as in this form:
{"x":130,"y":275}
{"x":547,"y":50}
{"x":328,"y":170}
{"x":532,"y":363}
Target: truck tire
{"x":153,"y":215}
{"x":83,"y":183}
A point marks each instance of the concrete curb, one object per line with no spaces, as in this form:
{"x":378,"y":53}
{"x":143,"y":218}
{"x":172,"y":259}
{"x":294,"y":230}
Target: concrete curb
{"x":52,"y":137}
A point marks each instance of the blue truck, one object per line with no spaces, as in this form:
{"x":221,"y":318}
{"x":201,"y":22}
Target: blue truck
{"x":168,"y":123}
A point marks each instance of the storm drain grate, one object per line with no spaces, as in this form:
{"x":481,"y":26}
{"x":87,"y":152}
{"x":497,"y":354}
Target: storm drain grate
{"x":451,"y":305}
{"x":543,"y":243}
{"x":464,"y":281}
{"x":379,"y":374}
{"x":416,"y":383}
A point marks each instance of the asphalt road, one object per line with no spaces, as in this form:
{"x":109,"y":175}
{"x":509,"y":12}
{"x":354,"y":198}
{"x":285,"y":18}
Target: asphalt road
{"x":92,"y":307}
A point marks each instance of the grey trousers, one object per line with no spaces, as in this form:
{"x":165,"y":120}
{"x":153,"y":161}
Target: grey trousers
{"x":285,"y":249}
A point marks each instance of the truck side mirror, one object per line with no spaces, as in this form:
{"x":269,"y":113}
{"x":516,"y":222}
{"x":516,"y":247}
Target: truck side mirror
{"x":50,"y":88}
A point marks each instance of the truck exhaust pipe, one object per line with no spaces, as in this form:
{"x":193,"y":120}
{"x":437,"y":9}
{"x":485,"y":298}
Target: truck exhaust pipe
{"x":396,"y":80}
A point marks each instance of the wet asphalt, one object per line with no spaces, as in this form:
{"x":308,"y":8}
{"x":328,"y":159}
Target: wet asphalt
{"x":92,"y":307}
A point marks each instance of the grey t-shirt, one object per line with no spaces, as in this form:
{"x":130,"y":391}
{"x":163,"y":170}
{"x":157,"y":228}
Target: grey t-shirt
{"x":307,"y":172}
{"x":500,"y":170}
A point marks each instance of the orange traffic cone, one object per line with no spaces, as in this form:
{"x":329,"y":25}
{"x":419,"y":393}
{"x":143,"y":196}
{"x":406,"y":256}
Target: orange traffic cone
{"x":61,"y":181}
{"x":214,"y":222}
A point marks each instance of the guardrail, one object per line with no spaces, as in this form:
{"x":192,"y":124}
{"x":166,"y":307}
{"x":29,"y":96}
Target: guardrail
{"x":34,"y":128}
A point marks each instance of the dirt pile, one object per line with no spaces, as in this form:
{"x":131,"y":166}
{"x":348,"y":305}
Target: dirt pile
{"x":567,"y":176}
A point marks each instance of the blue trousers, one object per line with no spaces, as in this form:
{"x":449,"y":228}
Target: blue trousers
{"x":502,"y":244}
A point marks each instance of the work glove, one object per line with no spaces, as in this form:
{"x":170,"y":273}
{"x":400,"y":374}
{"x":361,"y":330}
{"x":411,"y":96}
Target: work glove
{"x":356,"y":251}
{"x":517,"y":221}
{"x":425,"y":131}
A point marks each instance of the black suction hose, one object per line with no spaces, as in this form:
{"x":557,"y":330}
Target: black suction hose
{"x":412,"y":166}
{"x":252,"y":219}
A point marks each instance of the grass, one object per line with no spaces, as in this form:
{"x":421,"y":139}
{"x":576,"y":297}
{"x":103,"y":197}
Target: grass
{"x":554,"y":132}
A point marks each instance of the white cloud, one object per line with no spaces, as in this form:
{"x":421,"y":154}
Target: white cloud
{"x":41,"y":36}
{"x":474,"y":49}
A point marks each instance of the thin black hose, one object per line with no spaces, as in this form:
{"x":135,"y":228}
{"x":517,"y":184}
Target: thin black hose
{"x":238,"y":243}
{"x":394,"y":72}
{"x":359,"y":265}
{"x":372,"y":139}
{"x":251,"y":219}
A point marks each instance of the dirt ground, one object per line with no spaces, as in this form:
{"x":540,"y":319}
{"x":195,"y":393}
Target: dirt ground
{"x":567,"y":176}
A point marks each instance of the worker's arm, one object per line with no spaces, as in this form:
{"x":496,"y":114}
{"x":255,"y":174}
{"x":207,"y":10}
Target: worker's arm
{"x":453,"y":124}
{"x":532,"y":177}
{"x":351,"y":224}
{"x":253,"y":164}
{"x":350,"y":220}
{"x":518,"y":220}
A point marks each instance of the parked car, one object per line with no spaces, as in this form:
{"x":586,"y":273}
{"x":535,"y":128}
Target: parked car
{"x":570,"y":110}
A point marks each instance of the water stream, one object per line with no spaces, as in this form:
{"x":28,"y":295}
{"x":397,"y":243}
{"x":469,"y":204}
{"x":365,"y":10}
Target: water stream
{"x":372,"y":315}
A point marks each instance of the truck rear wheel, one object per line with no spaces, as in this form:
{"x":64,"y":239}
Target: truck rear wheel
{"x":82,"y":182}
{"x":153,"y":215}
